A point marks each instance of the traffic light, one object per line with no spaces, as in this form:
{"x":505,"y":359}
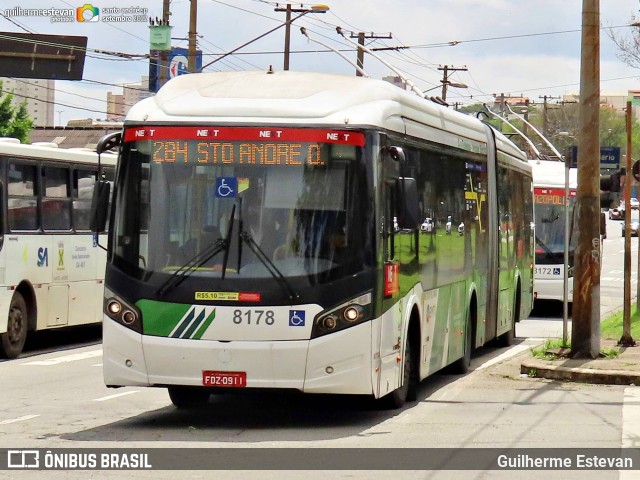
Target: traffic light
{"x":609,"y":186}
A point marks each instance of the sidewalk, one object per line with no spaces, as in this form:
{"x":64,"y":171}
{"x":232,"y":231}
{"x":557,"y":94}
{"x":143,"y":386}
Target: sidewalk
{"x":621,"y":370}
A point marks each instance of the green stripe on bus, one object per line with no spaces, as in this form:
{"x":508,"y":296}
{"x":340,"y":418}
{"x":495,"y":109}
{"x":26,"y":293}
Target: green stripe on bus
{"x":205,"y":325}
{"x":196,"y":323}
{"x":183,"y":324}
{"x":160,"y":318}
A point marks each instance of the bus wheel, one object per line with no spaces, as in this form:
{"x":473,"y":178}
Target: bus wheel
{"x":186,"y":397}
{"x":407,"y":390}
{"x":507,"y":338}
{"x":462,"y":364}
{"x":12,"y":341}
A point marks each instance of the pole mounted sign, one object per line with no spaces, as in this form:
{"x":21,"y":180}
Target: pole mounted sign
{"x":609,"y":157}
{"x":178,"y":63}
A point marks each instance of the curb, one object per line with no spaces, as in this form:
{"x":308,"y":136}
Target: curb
{"x":583,"y":375}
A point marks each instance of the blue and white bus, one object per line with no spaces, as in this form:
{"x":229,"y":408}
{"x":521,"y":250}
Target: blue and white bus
{"x":51,"y":270}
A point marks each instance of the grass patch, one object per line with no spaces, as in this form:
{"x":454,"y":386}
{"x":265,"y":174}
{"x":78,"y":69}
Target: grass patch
{"x":610,"y":352}
{"x":549,"y":350}
{"x":611,"y":327}
{"x":543,"y":353}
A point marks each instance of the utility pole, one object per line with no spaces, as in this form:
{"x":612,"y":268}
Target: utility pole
{"x":361,"y":36}
{"x":164,"y":54}
{"x":193,"y":21}
{"x":287,"y":35}
{"x":525,"y":114}
{"x":545,"y":118}
{"x":447,"y":69}
{"x":500,"y":101}
{"x":627,"y":340}
{"x":585,"y":334}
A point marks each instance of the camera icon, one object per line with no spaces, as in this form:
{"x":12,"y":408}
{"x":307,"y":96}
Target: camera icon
{"x":87,"y":13}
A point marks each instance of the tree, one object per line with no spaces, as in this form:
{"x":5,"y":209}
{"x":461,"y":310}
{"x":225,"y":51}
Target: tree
{"x":14,"y":119}
{"x":628,"y":46}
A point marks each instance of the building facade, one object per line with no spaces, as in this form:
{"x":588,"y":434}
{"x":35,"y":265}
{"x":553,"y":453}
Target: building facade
{"x":39,"y":96}
{"x":118,"y":105}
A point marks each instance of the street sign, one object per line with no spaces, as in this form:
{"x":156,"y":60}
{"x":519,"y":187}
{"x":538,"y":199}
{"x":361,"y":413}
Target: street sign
{"x":49,"y":57}
{"x":609,"y":157}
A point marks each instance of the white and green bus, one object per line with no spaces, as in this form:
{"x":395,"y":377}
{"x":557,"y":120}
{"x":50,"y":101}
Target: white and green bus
{"x":265,"y":233}
{"x":51,"y":269}
{"x":550,"y":205}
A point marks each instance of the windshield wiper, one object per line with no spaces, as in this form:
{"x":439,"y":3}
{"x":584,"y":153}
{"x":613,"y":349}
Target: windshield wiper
{"x":264,"y":259}
{"x":547,"y":250}
{"x":199,"y":259}
{"x":228,"y":241}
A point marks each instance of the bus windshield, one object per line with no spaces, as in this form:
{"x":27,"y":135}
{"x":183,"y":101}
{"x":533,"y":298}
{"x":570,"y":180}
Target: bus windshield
{"x":550,"y":225}
{"x":242,"y":208}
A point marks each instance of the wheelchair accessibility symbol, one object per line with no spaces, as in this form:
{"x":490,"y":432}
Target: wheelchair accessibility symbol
{"x":296,"y":318}
{"x":226,"y":187}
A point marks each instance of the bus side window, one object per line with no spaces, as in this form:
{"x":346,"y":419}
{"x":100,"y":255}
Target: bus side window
{"x":83,"y":184}
{"x":56,"y":199}
{"x":22,"y":201}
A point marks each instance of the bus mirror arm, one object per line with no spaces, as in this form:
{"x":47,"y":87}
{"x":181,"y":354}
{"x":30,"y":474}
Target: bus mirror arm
{"x":100,"y":206}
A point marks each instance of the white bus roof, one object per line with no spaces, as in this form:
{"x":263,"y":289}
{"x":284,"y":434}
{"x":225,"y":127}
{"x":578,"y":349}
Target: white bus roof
{"x":550,"y":173}
{"x":308,"y":98}
{"x":42,"y":152}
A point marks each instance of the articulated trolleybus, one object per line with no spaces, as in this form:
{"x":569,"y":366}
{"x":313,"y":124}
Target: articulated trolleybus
{"x":550,"y":209}
{"x":266,"y":233}
{"x":51,"y":269}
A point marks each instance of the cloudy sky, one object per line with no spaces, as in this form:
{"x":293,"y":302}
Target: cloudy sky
{"x":508,"y":46}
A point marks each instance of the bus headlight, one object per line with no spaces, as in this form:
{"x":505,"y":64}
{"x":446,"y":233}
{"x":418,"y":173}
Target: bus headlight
{"x":354,"y":312}
{"x":120,"y":311}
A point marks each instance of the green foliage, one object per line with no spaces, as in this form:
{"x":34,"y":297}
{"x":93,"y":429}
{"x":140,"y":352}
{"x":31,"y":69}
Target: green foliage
{"x":543,"y":352}
{"x":14,"y":119}
{"x":611,"y":327}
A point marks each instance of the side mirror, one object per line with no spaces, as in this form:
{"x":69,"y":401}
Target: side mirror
{"x":100,"y":206}
{"x":407,"y":208}
{"x":397,"y":154}
{"x":108,"y":142}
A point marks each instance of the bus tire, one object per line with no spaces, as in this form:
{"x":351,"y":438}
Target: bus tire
{"x":12,"y":341}
{"x":463,"y":364}
{"x":186,"y":397}
{"x":507,"y":338}
{"x":407,"y":390}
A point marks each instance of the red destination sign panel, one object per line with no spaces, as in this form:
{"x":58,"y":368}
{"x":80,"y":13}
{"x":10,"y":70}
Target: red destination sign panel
{"x":344,"y":137}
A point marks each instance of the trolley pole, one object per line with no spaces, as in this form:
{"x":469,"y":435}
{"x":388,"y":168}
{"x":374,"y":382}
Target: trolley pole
{"x":585,"y":334}
{"x":361,"y":36}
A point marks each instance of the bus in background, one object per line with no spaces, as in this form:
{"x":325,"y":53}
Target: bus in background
{"x":266,"y":234}
{"x":51,"y":270}
{"x":549,"y":205}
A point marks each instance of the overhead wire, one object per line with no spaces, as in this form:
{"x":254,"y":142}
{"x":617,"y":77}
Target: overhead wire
{"x":403,"y":53}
